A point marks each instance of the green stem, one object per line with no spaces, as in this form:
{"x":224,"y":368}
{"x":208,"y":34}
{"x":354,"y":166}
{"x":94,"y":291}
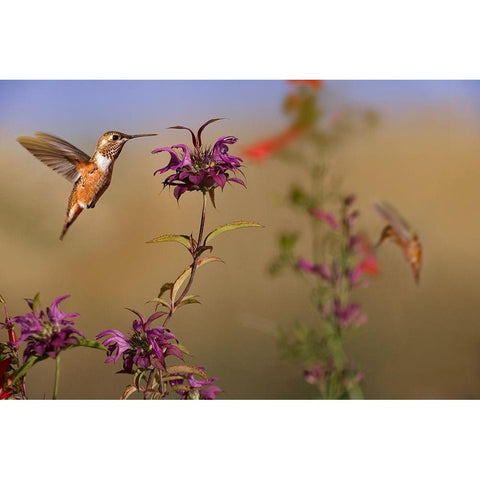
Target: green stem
{"x":316,"y":176}
{"x":196,"y":257}
{"x":57,"y":376}
{"x":355,"y":391}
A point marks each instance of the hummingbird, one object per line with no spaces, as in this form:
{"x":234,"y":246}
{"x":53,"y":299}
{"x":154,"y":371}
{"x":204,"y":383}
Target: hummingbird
{"x":401,"y":233}
{"x":90,"y":176}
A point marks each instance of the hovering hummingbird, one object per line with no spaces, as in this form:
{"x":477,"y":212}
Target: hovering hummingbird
{"x":400,"y":232}
{"x":91,"y":176}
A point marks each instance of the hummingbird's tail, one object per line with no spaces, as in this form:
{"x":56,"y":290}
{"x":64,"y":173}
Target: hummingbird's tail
{"x":73,"y":212}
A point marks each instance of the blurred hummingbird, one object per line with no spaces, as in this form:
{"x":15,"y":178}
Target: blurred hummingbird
{"x":91,"y":176}
{"x":400,"y":232}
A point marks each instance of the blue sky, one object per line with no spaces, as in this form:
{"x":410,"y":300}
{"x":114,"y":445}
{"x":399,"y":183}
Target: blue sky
{"x":92,"y":106}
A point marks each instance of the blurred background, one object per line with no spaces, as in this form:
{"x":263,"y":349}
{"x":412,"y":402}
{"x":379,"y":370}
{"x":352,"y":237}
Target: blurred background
{"x":419,"y":342}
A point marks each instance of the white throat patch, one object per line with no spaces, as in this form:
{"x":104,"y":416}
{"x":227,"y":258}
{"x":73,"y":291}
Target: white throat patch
{"x":103,"y":162}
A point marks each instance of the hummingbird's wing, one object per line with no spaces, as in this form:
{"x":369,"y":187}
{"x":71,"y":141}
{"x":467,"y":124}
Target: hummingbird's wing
{"x":399,"y":225}
{"x":56,"y":153}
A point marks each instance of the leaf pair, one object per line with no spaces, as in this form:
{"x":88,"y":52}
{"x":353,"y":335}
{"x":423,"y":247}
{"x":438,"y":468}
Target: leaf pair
{"x":185,"y":240}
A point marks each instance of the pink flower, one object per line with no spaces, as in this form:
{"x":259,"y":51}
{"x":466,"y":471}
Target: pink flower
{"x":324,"y":217}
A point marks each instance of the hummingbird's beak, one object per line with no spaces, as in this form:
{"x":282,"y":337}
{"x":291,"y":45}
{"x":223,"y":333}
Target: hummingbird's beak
{"x":141,"y":135}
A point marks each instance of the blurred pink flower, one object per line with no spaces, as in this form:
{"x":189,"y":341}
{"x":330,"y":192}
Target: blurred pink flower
{"x":325,"y":217}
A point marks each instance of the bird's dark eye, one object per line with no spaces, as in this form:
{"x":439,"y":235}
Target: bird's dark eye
{"x":115,"y":137}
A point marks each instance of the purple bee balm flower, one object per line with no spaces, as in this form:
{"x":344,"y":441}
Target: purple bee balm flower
{"x":349,"y":315}
{"x":46,"y":333}
{"x":324,"y":217}
{"x":197,"y":389}
{"x":202,"y":168}
{"x":144,"y":347}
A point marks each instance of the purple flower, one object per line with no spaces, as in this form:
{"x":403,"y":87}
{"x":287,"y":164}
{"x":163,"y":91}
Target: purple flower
{"x":144,"y":347}
{"x":349,"y":315}
{"x":202,"y":168}
{"x":318,"y":269}
{"x":46,"y":333}
{"x":197,"y":389}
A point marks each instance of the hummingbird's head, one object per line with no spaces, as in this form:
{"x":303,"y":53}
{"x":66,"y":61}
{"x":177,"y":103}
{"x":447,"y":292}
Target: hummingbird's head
{"x":111,"y":143}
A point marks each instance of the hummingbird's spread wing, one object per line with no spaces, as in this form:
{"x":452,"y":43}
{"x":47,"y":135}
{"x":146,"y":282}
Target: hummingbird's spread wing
{"x":56,"y":153}
{"x":398,"y":224}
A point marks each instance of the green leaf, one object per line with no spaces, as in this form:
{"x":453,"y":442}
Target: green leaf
{"x":160,"y":301}
{"x":25,"y":367}
{"x":180,"y":387}
{"x":184,"y":349}
{"x":169,"y":378}
{"x":287,"y":241}
{"x":2,"y":300}
{"x":128,"y":391}
{"x":211,"y":194}
{"x":182,"y":239}
{"x":137,"y":378}
{"x":83,"y":342}
{"x":165,"y":287}
{"x":299,"y":197}
{"x":188,"y":301}
{"x":186,"y":369}
{"x":185,"y":274}
{"x":228,"y":227}
{"x":36,"y":307}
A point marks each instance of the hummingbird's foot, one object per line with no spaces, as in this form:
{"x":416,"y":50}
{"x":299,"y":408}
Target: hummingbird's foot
{"x":91,"y":205}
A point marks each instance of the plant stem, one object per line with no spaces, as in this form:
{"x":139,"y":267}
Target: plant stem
{"x":316,"y":174}
{"x":196,"y":257}
{"x":57,"y":376}
{"x":11,"y":337}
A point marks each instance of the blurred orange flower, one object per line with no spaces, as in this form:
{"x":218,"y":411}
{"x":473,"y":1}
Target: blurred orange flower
{"x":259,"y":152}
{"x":368,"y":263}
{"x":315,"y":84}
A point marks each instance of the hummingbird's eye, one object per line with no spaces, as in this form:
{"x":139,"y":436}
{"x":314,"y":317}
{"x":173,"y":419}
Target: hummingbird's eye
{"x":115,"y":137}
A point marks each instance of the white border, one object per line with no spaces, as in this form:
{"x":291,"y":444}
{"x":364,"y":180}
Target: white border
{"x":241,"y":40}
{"x":214,"y":39}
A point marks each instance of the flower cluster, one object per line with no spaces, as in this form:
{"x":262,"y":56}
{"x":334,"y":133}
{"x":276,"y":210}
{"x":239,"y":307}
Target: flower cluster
{"x":145,"y":347}
{"x":326,"y":374}
{"x":144,"y":353}
{"x":46,"y":333}
{"x":357,"y":259}
{"x":195,"y":389}
{"x":201,"y":168}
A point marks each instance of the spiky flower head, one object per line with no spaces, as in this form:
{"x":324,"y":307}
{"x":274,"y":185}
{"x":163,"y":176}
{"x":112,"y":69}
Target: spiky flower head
{"x":144,"y":347}
{"x":48,"y":332}
{"x":201,"y":168}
